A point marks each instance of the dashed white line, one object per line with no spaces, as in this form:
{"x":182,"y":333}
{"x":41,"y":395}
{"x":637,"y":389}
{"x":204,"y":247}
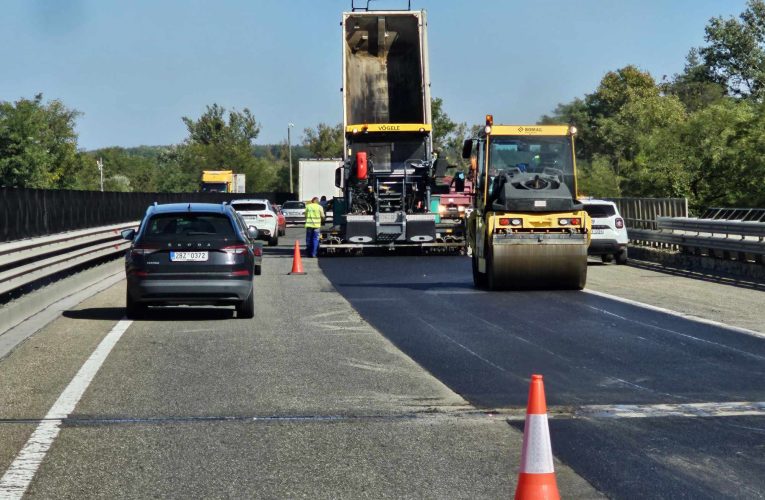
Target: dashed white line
{"x":19,"y":475}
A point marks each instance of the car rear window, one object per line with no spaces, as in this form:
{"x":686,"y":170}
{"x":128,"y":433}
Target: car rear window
{"x":600,"y":211}
{"x":293,"y":204}
{"x":189,"y":225}
{"x":251,"y":207}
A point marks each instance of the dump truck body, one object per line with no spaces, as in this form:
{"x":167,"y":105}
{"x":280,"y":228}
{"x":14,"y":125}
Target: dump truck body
{"x":388,"y":165}
{"x":217,"y":181}
{"x":222,"y":181}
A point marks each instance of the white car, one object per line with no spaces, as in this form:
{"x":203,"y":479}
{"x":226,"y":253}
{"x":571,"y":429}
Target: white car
{"x":294,"y":212}
{"x":609,"y":234}
{"x":261,"y":214}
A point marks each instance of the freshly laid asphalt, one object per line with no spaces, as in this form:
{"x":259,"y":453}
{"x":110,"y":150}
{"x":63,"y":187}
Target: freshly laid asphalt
{"x":304,"y":400}
{"x":591,"y":350}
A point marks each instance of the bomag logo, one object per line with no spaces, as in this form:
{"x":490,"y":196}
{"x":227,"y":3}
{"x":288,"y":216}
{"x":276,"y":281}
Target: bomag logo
{"x":529,"y":129}
{"x":389,"y":128}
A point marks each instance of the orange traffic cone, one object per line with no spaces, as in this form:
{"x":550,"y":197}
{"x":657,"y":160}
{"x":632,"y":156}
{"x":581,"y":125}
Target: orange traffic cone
{"x":297,"y":262}
{"x":536,"y":480}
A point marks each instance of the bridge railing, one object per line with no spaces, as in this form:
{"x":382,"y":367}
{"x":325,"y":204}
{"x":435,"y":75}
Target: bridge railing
{"x":742,"y":241}
{"x":28,"y":213}
{"x":642,"y":213}
{"x":25,"y":264}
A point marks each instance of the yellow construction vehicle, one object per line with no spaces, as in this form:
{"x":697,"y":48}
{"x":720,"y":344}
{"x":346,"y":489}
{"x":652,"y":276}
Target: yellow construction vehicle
{"x":528,"y":229}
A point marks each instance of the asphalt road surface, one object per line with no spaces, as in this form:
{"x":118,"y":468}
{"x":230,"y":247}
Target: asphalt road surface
{"x":408,"y":383}
{"x":306,"y":400}
{"x":610,"y":367}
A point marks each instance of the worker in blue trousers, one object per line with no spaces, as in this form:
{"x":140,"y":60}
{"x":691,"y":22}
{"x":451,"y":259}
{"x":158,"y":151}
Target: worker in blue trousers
{"x":314,"y":219}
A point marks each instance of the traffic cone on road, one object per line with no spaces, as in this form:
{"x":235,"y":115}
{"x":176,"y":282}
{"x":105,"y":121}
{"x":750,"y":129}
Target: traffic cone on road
{"x":297,"y":262}
{"x":536,"y":480}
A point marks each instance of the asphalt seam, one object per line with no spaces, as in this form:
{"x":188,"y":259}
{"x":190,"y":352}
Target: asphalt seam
{"x":690,"y":410}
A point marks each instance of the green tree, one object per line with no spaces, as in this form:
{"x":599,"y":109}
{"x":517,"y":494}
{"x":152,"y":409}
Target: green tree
{"x":712,"y":157}
{"x":693,"y":86}
{"x":617,"y":88}
{"x":136,"y":165}
{"x":38,"y":144}
{"x":223,"y":140}
{"x":448,"y":135}
{"x":735,"y":55}
{"x":324,"y":141}
{"x":596,"y":178}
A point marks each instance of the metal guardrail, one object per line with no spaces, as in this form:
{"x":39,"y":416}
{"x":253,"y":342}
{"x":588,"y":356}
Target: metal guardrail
{"x":25,"y":262}
{"x":742,"y":214}
{"x":641,"y":213}
{"x":726,"y":239}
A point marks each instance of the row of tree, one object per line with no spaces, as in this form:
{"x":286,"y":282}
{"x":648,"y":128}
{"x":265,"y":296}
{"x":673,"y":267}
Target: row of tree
{"x":38,"y":149}
{"x":698,"y":134}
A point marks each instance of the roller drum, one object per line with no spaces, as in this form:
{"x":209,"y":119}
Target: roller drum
{"x":533,"y":264}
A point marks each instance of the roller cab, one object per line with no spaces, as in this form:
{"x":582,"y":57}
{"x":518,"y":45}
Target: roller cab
{"x":529,"y":230}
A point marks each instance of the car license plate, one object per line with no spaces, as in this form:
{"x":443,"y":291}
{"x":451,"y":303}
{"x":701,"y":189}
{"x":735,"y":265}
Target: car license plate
{"x":597,"y":231}
{"x":188,"y":256}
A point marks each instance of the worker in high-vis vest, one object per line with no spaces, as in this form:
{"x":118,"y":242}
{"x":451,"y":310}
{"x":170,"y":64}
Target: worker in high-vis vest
{"x":314,"y":218}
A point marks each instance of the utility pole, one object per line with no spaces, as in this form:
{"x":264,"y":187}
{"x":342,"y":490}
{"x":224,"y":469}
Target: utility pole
{"x":289,"y":153}
{"x":100,"y":164}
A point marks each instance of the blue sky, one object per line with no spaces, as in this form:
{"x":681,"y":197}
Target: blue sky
{"x":134,"y":68}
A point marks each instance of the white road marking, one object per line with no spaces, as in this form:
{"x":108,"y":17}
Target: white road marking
{"x":19,"y":475}
{"x":732,"y":409}
{"x":690,"y":317}
{"x":442,"y":334}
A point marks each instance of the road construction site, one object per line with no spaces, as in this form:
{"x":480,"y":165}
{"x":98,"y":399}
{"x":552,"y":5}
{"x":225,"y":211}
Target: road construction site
{"x":374,"y":378}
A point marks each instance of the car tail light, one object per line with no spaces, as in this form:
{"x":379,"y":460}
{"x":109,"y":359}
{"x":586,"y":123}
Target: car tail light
{"x":504,"y":222}
{"x":619,"y":223}
{"x":235,"y":249}
{"x":266,"y":216}
{"x":143,"y":249}
{"x":243,"y":272}
{"x":140,"y":274}
{"x":258,"y":251}
{"x":573,"y":221}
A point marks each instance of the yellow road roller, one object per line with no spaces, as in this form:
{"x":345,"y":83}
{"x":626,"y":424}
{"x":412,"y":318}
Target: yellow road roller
{"x":528,"y":229}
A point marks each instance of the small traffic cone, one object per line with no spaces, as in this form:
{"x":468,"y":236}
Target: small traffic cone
{"x":536,"y":480}
{"x":297,"y":261}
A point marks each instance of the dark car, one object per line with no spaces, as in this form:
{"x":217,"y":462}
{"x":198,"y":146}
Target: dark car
{"x":190,"y":253}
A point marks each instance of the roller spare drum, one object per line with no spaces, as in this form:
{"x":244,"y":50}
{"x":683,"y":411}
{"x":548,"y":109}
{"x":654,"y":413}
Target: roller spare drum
{"x":541,"y":265}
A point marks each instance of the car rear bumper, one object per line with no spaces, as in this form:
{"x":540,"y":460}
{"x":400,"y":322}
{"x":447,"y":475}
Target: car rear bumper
{"x":605,"y":247}
{"x":295,"y":220}
{"x":192,"y":291}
